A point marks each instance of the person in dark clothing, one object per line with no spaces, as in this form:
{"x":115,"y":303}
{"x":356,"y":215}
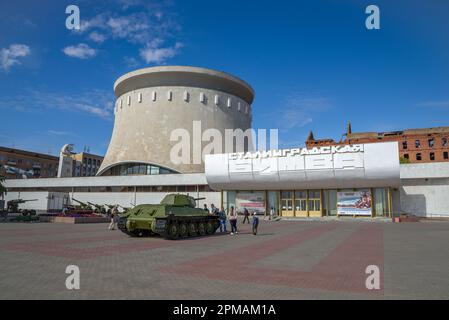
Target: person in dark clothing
{"x":222,"y":217}
{"x":246,"y":214}
{"x":214,"y":210}
{"x":255,"y":223}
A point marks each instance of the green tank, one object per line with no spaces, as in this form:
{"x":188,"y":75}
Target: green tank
{"x":175,"y":217}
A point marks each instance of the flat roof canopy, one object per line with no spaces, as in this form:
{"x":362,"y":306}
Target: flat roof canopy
{"x":336,"y":167}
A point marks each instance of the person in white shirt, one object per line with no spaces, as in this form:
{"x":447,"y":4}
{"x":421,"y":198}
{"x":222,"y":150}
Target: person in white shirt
{"x":114,"y":218}
{"x":233,"y":220}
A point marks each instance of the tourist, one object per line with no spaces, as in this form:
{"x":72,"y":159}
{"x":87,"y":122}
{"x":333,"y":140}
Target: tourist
{"x":213,"y":209}
{"x":246,"y":214}
{"x":233,"y":220}
{"x":271,"y":213}
{"x":206,"y":208}
{"x":222,"y":218}
{"x":114,"y":218}
{"x":255,"y":223}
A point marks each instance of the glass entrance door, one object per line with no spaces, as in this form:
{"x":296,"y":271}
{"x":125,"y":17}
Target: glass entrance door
{"x":314,"y":203}
{"x":301,"y":203}
{"x":287,"y":204}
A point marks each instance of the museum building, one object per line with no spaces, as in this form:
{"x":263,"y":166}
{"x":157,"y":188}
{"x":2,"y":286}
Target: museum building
{"x":350,"y":179}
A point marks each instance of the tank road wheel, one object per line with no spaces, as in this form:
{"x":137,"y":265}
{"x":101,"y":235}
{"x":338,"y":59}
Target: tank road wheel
{"x":210,"y":227}
{"x":183,"y":230}
{"x":173,"y":231}
{"x":201,"y":229}
{"x":192,"y":229}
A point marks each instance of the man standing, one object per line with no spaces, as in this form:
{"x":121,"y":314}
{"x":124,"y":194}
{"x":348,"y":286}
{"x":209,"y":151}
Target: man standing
{"x":222,"y":218}
{"x":213,"y":209}
{"x":246,"y":214}
{"x":206,"y":208}
{"x":233,"y":220}
{"x":255,"y":223}
{"x":114,"y":218}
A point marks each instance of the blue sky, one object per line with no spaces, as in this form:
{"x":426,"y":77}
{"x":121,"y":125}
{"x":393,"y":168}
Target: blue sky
{"x":313,"y":64}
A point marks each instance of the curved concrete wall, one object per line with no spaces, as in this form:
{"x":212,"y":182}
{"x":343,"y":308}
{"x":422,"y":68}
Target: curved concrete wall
{"x":152,"y":102}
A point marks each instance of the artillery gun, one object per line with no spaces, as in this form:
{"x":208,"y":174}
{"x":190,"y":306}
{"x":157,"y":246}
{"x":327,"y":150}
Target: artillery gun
{"x":111,"y":206}
{"x":80,"y":208}
{"x":175,"y":217}
{"x":81,"y":205}
{"x":125,"y":209}
{"x":98,"y":208}
{"x":12,"y":206}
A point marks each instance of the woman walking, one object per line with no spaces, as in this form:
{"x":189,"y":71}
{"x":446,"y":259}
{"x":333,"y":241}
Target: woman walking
{"x":114,"y":218}
{"x":233,"y":220}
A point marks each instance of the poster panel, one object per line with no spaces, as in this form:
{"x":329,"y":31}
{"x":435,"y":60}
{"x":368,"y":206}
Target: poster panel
{"x":354,"y":203}
{"x":253,"y":201}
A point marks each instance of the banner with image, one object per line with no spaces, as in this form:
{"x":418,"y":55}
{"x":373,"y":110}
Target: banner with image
{"x":354,"y":203}
{"x":253,"y":201}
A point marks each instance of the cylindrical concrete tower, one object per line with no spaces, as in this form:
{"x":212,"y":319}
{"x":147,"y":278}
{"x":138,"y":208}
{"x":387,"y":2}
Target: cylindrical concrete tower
{"x":153,"y":102}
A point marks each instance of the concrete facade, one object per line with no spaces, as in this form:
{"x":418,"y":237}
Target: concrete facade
{"x":424,"y":189}
{"x":153,"y":102}
{"x":53,"y":194}
{"x":347,"y":166}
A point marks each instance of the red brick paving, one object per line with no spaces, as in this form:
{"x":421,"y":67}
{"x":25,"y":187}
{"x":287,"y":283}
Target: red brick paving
{"x":342,"y":270}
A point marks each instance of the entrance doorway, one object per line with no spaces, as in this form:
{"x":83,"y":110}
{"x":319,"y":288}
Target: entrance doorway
{"x":287,"y":204}
{"x":314,"y":203}
{"x":301,"y":203}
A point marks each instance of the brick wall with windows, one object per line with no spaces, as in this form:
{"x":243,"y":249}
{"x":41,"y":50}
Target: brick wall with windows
{"x":18,"y":164}
{"x":415,"y":145}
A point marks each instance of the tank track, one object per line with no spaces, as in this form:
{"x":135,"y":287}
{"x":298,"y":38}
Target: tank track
{"x":121,"y":225}
{"x":178,"y":220}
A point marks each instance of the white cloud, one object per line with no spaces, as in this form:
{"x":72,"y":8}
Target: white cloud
{"x":97,"y":37}
{"x":58,"y":133}
{"x":298,"y":110}
{"x":131,"y":62}
{"x":10,"y":56}
{"x":99,"y":103}
{"x":81,"y":51}
{"x":128,"y":27}
{"x":435,"y":104}
{"x":158,"y":55}
{"x":149,"y":25}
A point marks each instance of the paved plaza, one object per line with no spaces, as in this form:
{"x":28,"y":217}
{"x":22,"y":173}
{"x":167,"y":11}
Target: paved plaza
{"x":286,"y":260}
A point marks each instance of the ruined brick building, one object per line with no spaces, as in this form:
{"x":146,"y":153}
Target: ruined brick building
{"x":415,"y":145}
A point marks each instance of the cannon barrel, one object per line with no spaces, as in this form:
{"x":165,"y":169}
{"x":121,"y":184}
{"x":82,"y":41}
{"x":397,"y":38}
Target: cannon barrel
{"x":80,"y":202}
{"x":21,"y":200}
